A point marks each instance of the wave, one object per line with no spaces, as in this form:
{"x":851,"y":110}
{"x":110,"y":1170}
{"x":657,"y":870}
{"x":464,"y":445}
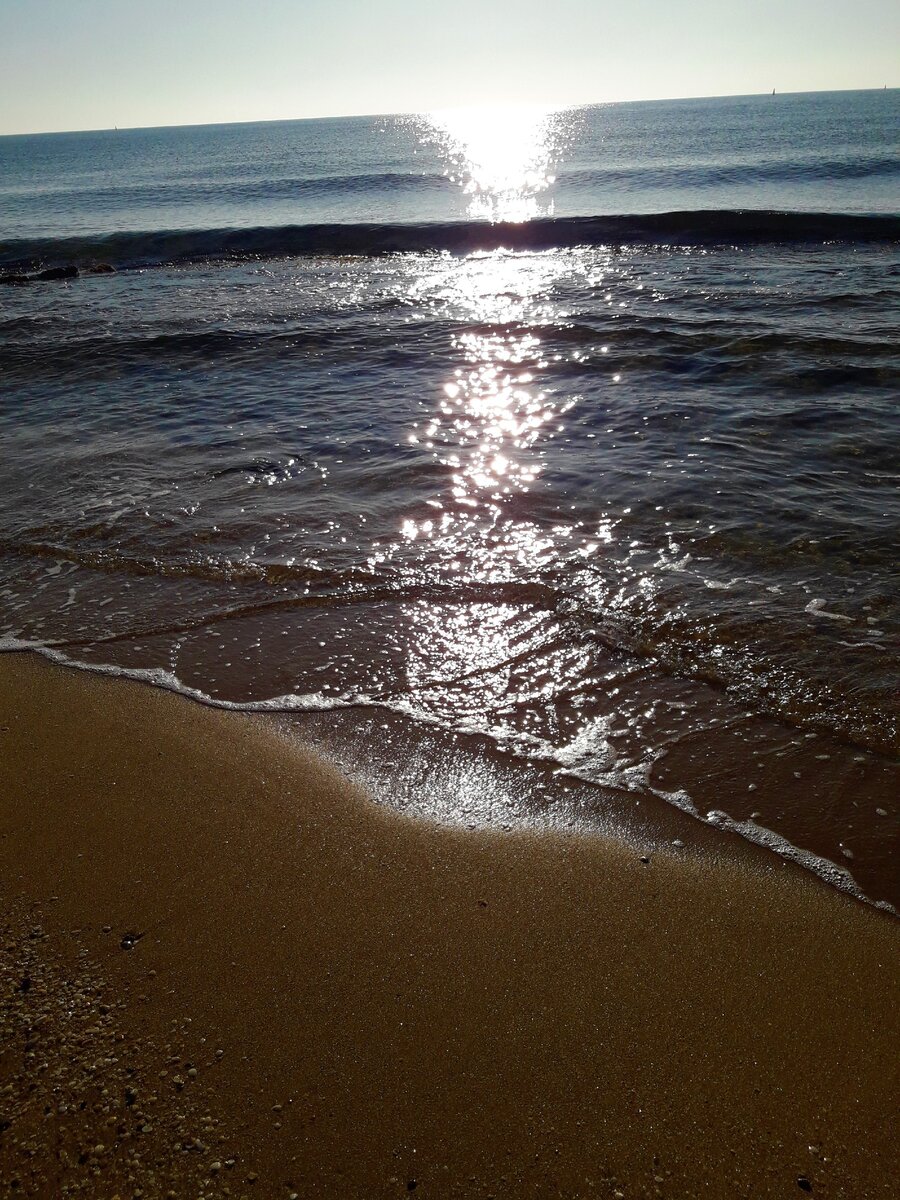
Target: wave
{"x":717,"y":174}
{"x":702,"y":348}
{"x":59,"y":196}
{"x":703,"y":227}
{"x":334,"y":587}
{"x":629,"y":780}
{"x":674,"y":647}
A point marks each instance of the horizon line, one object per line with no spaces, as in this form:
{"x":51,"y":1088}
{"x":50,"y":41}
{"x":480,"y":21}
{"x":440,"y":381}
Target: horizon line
{"x":444,"y":108}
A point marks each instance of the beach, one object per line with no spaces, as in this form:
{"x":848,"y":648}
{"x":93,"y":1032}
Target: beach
{"x":571,"y":431}
{"x":448,"y":654}
{"x":227,"y":972}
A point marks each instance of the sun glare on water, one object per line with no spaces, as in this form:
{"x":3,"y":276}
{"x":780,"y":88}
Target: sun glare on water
{"x":487,"y":428}
{"x":502,"y":158}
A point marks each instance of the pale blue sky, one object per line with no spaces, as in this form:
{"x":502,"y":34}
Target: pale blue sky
{"x":87,"y":64}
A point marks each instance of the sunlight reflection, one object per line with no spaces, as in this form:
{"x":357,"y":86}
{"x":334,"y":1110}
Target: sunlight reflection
{"x":503,"y":158}
{"x":488,"y":425}
{"x":488,"y":428}
{"x":491,"y":646}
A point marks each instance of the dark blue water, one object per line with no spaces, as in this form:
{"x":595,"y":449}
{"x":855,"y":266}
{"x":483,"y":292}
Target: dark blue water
{"x":817,"y":152}
{"x":574,"y":431}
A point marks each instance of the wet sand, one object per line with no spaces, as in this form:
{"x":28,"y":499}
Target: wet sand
{"x":226,"y":972}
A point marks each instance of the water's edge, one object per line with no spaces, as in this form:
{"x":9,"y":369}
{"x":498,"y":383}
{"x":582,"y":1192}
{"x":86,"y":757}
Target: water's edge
{"x":824,"y":869}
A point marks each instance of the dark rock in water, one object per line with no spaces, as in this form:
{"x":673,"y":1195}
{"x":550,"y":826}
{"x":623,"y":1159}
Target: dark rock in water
{"x":803,"y":1182}
{"x":57,"y":273}
{"x":645,"y":859}
{"x":12,"y":279}
{"x":101,"y":269}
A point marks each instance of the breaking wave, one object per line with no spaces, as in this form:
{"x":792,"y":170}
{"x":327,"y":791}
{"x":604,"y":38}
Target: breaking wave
{"x":696,"y":228}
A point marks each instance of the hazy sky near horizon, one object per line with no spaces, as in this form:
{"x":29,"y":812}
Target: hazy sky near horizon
{"x":91,"y":64}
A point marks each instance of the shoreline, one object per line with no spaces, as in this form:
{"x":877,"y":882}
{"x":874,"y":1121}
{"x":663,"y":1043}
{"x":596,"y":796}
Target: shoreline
{"x":653,"y":832}
{"x":399,"y":1003}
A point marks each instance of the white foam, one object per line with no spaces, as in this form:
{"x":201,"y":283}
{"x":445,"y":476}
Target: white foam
{"x":574,"y":759}
{"x":839,"y":877}
{"x":168,"y":681}
{"x":816,"y":608}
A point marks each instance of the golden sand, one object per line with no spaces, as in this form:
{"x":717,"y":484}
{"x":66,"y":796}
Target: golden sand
{"x":226,"y":972}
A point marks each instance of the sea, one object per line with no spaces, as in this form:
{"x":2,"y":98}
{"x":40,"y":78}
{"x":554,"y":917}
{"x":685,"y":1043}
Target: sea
{"x":540,"y":466}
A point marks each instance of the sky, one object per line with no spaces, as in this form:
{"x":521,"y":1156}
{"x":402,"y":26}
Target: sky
{"x":92,"y":64}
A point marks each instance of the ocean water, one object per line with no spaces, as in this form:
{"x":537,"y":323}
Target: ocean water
{"x":569,"y":432}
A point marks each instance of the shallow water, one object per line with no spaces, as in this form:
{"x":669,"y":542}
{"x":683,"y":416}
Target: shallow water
{"x":617,"y":495}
